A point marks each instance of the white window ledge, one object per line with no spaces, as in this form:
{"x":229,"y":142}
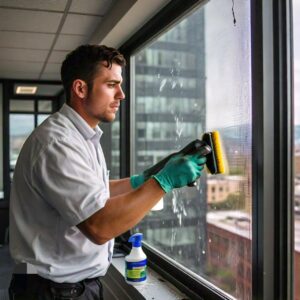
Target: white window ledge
{"x":155,"y":287}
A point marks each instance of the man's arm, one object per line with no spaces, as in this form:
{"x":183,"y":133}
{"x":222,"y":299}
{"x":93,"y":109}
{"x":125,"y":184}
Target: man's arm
{"x":121,"y":213}
{"x":119,"y":186}
{"x":124,"y":211}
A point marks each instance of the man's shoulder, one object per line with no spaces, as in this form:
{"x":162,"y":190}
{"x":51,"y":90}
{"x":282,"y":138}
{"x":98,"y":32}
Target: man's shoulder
{"x":54,"y":128}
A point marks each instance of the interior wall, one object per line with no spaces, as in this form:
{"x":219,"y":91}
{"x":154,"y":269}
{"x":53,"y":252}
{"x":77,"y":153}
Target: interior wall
{"x":1,"y":141}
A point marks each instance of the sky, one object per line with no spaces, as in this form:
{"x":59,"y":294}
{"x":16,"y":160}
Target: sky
{"x":228,"y":61}
{"x":228,"y":85}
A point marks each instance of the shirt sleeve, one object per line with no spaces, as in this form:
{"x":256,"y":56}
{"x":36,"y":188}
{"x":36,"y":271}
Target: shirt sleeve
{"x":65,"y":178}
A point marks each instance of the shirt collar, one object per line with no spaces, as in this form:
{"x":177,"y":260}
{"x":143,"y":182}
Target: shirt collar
{"x":87,"y":132}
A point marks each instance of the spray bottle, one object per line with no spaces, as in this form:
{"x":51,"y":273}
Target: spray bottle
{"x":136,"y":261}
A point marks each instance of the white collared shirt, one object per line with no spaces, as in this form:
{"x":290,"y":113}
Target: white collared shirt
{"x":59,"y":181}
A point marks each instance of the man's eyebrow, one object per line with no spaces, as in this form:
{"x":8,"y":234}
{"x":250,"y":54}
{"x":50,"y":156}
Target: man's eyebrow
{"x":113,"y":81}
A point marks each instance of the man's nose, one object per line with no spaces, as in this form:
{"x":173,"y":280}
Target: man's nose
{"x":121,"y":94}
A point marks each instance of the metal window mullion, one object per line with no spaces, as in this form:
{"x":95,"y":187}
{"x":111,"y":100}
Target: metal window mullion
{"x":125,"y":136}
{"x":7,"y":88}
{"x":272,"y":274}
{"x":35,"y":112}
{"x":283,"y":151}
{"x":262,"y":150}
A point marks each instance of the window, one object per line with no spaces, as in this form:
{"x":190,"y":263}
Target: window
{"x":110,"y":142}
{"x":194,"y":78}
{"x":45,"y":106}
{"x":24,"y":116}
{"x":21,"y":105}
{"x":41,"y":118}
{"x":21,"y":125}
{"x":296,"y":40}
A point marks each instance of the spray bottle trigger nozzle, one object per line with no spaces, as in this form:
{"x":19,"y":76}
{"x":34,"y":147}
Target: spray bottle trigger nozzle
{"x":136,"y":239}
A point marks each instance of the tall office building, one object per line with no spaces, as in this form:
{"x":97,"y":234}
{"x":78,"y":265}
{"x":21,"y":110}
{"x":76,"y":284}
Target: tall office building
{"x":169,"y":113}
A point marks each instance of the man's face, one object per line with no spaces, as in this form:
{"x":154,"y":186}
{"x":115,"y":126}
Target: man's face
{"x":104,"y":98}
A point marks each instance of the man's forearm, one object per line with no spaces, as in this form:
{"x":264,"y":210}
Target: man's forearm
{"x":119,"y":186}
{"x":121,"y":213}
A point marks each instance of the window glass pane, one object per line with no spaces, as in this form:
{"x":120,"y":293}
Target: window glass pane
{"x":21,"y":105}
{"x":296,"y":41}
{"x":194,"y":78}
{"x":41,"y":118}
{"x":45,"y":106}
{"x":115,"y":149}
{"x":20,"y":127}
{"x":110,"y":142}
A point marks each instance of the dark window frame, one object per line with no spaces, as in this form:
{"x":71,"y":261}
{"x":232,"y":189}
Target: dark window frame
{"x":272,"y":131}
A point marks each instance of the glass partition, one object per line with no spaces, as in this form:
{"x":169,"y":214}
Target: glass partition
{"x":193,"y":78}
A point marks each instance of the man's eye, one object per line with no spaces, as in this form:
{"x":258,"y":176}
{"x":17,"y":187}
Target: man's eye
{"x":111,"y":85}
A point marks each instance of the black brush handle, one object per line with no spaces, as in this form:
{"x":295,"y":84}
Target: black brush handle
{"x":189,"y":149}
{"x":192,"y":148}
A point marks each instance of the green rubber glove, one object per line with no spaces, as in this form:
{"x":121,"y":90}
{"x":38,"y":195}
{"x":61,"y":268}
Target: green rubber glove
{"x":179,"y":171}
{"x":138,"y":179}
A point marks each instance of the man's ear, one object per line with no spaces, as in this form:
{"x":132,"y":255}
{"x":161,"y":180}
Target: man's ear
{"x":80,"y":88}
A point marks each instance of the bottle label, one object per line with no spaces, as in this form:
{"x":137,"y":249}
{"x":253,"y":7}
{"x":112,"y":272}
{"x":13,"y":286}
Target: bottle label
{"x":136,"y":271}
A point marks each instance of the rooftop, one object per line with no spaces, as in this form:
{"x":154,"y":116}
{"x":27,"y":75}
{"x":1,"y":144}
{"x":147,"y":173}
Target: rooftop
{"x":239,"y":222}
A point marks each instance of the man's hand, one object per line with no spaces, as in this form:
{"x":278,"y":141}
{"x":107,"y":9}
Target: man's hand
{"x":179,"y":171}
{"x":139,"y":179}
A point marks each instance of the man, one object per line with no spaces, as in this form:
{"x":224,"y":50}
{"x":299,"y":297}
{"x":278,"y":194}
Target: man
{"x":64,"y":211}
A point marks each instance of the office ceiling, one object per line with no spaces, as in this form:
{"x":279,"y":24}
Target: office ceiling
{"x":36,"y":35}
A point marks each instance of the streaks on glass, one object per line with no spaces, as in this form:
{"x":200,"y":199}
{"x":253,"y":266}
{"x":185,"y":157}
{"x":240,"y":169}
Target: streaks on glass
{"x":171,"y":86}
{"x":179,"y":128}
{"x":178,"y":205}
{"x":162,"y":84}
{"x":172,"y":81}
{"x":198,"y":186}
{"x":173,"y":236}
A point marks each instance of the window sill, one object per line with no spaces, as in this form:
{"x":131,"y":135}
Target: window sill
{"x":155,"y":287}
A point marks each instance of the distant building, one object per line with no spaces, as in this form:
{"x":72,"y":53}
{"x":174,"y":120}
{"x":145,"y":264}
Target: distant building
{"x":169,"y":104}
{"x":229,"y":251}
{"x":229,"y":254}
{"x":297,"y":199}
{"x":218,"y":189}
{"x":297,"y":257}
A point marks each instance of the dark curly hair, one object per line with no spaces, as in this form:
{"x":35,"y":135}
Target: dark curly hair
{"x":82,"y":63}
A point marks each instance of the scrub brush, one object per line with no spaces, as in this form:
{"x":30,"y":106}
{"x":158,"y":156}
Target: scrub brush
{"x":210,"y":146}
